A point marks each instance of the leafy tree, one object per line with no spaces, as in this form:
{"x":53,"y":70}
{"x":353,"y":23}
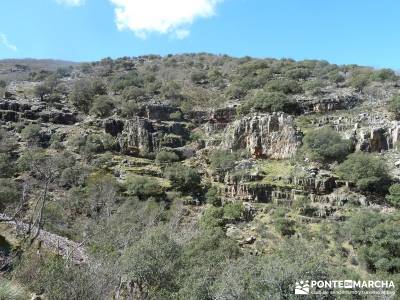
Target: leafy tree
{"x":360,"y":81}
{"x":7,"y":166}
{"x":368,"y":172}
{"x":384,"y":75}
{"x":221,"y":160}
{"x":152,"y":264}
{"x":198,"y":76}
{"x":394,"y":195}
{"x":10,"y":192}
{"x":212,"y":197}
{"x":102,"y":106}
{"x":41,"y":91}
{"x":84,"y":91}
{"x":284,"y":86}
{"x":375,"y":237}
{"x":269,"y":102}
{"x":144,"y":187}
{"x":325,"y":145}
{"x":166,"y":157}
{"x":32,"y":134}
{"x":202,"y":262}
{"x":183,"y":178}
{"x":233,"y":210}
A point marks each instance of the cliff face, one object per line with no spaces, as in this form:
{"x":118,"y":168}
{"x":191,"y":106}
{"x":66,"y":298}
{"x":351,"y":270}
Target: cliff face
{"x":264,"y":135}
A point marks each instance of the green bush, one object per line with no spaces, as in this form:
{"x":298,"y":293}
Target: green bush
{"x":325,"y":145}
{"x":212,"y":197}
{"x":10,"y":192}
{"x":375,"y":236}
{"x":384,"y":75}
{"x":198,"y":76}
{"x":360,"y":81}
{"x":233,"y":210}
{"x":394,"y":195}
{"x":133,"y":93}
{"x":102,"y":106}
{"x":285,"y":86}
{"x":166,"y":157}
{"x":285,"y":226}
{"x":368,"y":172}
{"x":84,"y":91}
{"x":121,"y":82}
{"x":12,"y":291}
{"x":32,"y":134}
{"x":143,"y":187}
{"x":221,"y":160}
{"x":7,"y":166}
{"x":269,"y":102}
{"x":183,"y":178}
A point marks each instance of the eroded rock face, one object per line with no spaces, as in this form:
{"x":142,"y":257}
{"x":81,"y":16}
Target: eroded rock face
{"x":137,"y":136}
{"x":376,"y":139}
{"x":264,"y":135}
{"x":142,"y":136}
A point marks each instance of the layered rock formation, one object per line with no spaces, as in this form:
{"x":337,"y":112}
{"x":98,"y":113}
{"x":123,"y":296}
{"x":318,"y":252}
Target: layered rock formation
{"x":264,"y":135}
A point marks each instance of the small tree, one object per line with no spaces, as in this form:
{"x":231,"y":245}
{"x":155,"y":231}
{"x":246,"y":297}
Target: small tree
{"x":325,"y":145}
{"x":368,"y":172}
{"x":394,"y":195}
{"x":102,"y":106}
{"x":183,"y":178}
{"x":166,"y":157}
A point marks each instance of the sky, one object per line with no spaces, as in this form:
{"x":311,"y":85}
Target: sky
{"x":364,"y":32}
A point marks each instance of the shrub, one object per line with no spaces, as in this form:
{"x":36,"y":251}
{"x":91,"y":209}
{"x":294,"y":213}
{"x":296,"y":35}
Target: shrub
{"x":394,"y":195}
{"x":143,"y":187}
{"x":84,"y":91}
{"x":223,"y":160}
{"x":177,"y":116}
{"x":12,"y":291}
{"x":102,"y":106}
{"x":7,"y":168}
{"x":212,"y":197}
{"x":166,"y":157}
{"x":384,"y":75}
{"x":198,"y":76}
{"x":120,"y":82}
{"x":133,"y":93}
{"x":325,"y":145}
{"x":285,"y":226}
{"x":183,"y":178}
{"x":336,"y":77}
{"x":269,"y":102}
{"x":32,"y":134}
{"x":233,"y":210}
{"x":360,"y":81}
{"x":368,"y":172}
{"x":9,"y":192}
{"x":284,"y":86}
{"x":298,"y":73}
{"x":376,"y":238}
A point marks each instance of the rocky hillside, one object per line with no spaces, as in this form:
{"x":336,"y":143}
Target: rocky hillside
{"x":198,"y":176}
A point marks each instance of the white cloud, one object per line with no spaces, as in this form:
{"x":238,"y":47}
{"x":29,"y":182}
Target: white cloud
{"x":71,"y":2}
{"x":5,"y":42}
{"x":173,"y":17}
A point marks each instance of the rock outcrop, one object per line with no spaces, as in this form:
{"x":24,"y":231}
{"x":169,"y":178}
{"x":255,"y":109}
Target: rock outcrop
{"x":142,"y":136}
{"x":264,"y":135}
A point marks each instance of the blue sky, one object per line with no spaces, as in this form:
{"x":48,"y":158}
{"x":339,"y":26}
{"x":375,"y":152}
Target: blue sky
{"x":364,"y":32}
